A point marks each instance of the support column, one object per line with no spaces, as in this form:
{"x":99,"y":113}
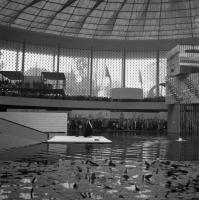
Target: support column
{"x":58,"y":54}
{"x":91,"y":72}
{"x":157,"y":73}
{"x":54,"y":60}
{"x":23,"y":56}
{"x":17,"y":61}
{"x":123,"y":68}
{"x":23,"y":59}
{"x":173,"y":120}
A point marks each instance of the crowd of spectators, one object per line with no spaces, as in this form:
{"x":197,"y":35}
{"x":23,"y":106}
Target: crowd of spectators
{"x":137,"y":124}
{"x":7,"y":84}
{"x":17,"y":88}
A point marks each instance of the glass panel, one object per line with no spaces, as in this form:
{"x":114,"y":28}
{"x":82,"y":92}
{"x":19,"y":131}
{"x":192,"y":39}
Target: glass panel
{"x":10,"y":56}
{"x":38,"y":59}
{"x":75,"y":64}
{"x":107,"y":70}
{"x":162,"y":72}
{"x":141,"y":72}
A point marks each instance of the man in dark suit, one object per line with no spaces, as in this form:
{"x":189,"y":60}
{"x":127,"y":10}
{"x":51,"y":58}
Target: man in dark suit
{"x":89,"y":129}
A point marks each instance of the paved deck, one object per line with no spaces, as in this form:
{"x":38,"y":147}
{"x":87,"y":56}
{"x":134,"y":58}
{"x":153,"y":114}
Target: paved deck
{"x":58,"y":104}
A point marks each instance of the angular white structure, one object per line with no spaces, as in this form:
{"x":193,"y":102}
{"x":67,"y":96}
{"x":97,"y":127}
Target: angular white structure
{"x":182,"y":61}
{"x":42,"y":121}
{"x":127,"y":93}
{"x":79,"y":139}
{"x":27,"y":128}
{"x":182,"y":90}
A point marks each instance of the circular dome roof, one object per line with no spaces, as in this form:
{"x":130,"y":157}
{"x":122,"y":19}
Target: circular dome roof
{"x":105,"y":19}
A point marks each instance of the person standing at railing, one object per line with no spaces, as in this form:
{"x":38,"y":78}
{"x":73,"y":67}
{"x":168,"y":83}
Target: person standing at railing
{"x":89,"y":129}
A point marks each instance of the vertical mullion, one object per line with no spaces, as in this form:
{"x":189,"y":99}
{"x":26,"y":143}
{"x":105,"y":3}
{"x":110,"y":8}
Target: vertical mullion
{"x":123,"y":75}
{"x":17,"y":60}
{"x":91,"y":71}
{"x":157,"y":72}
{"x":54,"y":57}
{"x":23,"y":56}
{"x":58,"y":54}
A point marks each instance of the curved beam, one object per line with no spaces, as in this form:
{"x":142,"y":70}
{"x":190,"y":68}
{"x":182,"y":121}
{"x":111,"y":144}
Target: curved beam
{"x":144,"y":14}
{"x":50,"y":19}
{"x":191,"y":21}
{"x":4,"y":6}
{"x":98,"y":28}
{"x":130,"y":21}
{"x":140,"y":18}
{"x":111,"y":22}
{"x":21,"y":11}
{"x":78,"y":26}
{"x":160,"y":16}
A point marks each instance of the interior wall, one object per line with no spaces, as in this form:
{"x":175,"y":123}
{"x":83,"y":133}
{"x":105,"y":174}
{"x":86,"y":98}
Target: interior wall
{"x":20,"y":35}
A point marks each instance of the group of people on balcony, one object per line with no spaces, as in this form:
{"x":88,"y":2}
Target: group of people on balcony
{"x":7,"y":84}
{"x":47,"y":91}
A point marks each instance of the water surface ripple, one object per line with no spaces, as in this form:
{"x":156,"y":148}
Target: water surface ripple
{"x":132,"y":167}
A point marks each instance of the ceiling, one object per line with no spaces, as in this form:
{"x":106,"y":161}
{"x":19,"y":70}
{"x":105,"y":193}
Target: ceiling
{"x":105,"y":19}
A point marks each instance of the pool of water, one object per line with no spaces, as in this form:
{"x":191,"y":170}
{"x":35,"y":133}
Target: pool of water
{"x":142,"y":166}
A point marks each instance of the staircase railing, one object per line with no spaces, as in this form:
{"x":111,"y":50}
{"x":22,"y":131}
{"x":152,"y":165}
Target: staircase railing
{"x":173,"y":91}
{"x":191,"y":86}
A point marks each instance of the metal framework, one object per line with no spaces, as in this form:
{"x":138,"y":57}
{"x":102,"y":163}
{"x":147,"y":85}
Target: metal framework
{"x":105,"y":19}
{"x":88,"y":71}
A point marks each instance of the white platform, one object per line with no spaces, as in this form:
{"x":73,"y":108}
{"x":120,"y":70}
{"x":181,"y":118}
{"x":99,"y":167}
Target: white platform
{"x":127,"y":93}
{"x":78,"y":139}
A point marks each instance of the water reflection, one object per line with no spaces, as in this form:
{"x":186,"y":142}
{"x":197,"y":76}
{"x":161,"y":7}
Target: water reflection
{"x":132,"y":167}
{"x":124,"y":147}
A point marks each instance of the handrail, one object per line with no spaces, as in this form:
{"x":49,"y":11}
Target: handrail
{"x":191,"y":86}
{"x":46,"y":133}
{"x":173,"y":91}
